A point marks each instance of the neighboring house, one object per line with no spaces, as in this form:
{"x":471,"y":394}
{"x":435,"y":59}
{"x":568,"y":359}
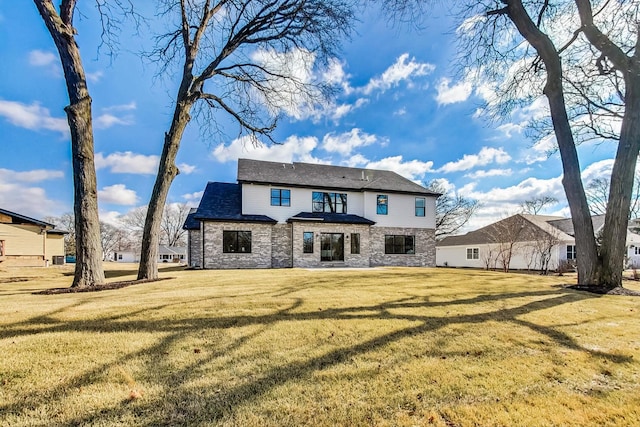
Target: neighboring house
{"x":29,"y":242}
{"x":522,"y":242}
{"x":175,"y":254}
{"x":283,"y":215}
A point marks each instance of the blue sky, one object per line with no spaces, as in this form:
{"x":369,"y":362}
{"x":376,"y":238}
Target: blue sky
{"x":400,"y":106}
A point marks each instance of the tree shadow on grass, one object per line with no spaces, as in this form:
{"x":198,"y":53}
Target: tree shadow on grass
{"x":183,"y":404}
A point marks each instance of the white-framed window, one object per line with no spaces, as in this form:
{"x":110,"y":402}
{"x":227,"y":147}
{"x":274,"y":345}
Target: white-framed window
{"x":571,"y":251}
{"x":473,"y":253}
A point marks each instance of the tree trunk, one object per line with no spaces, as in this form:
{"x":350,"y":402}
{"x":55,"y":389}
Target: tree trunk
{"x":167,"y":171}
{"x":614,"y":234}
{"x":88,"y":268}
{"x":587,"y":252}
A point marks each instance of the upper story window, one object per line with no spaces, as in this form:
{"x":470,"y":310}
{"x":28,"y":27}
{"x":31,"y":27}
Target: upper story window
{"x":329,"y":202}
{"x":420,"y":204}
{"x":280,"y":197}
{"x":382,"y":207}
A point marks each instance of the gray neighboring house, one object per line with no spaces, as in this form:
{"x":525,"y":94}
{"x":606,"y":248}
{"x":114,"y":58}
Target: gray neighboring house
{"x":281,"y":215}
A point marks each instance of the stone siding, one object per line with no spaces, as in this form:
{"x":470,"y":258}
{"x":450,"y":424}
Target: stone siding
{"x":425,"y":247}
{"x":312,"y":260}
{"x":281,"y":251}
{"x":260,"y":256}
{"x":194,"y":248}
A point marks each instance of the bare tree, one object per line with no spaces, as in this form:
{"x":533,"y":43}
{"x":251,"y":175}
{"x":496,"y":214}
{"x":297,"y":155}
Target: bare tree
{"x":242,"y":59}
{"x":173,"y":219}
{"x":585,"y":62}
{"x":537,"y":204}
{"x":598,"y":196}
{"x":489,"y":256}
{"x":88,"y":267}
{"x":507,"y":234}
{"x":453,"y":211}
{"x":67,"y":223}
{"x":111,"y":238}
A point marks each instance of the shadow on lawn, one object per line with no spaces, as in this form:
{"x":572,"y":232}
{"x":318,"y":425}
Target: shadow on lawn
{"x":182,"y":404}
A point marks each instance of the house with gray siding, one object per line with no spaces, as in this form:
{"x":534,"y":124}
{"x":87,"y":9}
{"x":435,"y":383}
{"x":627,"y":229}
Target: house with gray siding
{"x":281,"y":215}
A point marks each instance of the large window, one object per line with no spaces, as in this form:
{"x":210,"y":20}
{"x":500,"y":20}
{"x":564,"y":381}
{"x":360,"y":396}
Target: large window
{"x":382,"y":204}
{"x":355,"y":243}
{"x":394,"y":244}
{"x":473,"y":253}
{"x":420,"y":204}
{"x":280,"y":197}
{"x":236,"y":242}
{"x":329,"y":202}
{"x":571,"y":251}
{"x":307,"y":242}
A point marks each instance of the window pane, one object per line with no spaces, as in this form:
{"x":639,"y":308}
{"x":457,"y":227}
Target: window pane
{"x":408,"y":245}
{"x":285,"y":197}
{"x":244,"y":241}
{"x":229,"y":241}
{"x":420,"y":204}
{"x":382,"y":204}
{"x":388,"y":244}
{"x":307,"y":242}
{"x":355,"y":243}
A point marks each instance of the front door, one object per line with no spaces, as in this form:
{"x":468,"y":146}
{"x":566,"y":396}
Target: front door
{"x":332,"y":247}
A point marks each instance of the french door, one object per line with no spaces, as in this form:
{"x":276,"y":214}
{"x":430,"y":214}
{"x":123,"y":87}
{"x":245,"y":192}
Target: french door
{"x":331,"y":247}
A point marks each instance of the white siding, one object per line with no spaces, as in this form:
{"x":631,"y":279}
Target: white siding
{"x":256,"y":200}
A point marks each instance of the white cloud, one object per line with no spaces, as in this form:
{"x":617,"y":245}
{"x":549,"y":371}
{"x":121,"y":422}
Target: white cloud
{"x":345,"y":143}
{"x":33,"y":117}
{"x":400,"y":112}
{"x":37,"y":175}
{"x":193,"y":197}
{"x":487,"y":155}
{"x":128,"y":162}
{"x":118,"y":194}
{"x":25,"y":199}
{"x":186,"y":169}
{"x":40,"y":58}
{"x":488,"y":173}
{"x":105,"y":121}
{"x":400,"y":71}
{"x":414,"y":170}
{"x":94,"y":77}
{"x":292,"y":149}
{"x":121,"y":107}
{"x":452,"y":94}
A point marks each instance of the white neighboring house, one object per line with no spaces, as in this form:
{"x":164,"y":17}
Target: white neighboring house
{"x":173,"y":254}
{"x":282,"y":215}
{"x":525,"y":237}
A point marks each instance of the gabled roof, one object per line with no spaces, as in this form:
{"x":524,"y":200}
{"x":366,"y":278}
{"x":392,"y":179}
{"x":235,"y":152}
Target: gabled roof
{"x":566,"y":224}
{"x":326,"y":177}
{"x":333,"y":218}
{"x":22,"y":219}
{"x":527,"y":227}
{"x":222,"y":201}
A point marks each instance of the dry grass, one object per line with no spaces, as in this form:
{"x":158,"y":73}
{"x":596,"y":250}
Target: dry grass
{"x":393,"y":347}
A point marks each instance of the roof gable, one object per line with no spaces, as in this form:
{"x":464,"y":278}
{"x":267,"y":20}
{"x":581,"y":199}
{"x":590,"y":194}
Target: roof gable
{"x":326,"y":176}
{"x":22,"y":219}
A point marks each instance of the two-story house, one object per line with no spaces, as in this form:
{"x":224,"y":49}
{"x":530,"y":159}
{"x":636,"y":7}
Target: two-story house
{"x":282,"y":215}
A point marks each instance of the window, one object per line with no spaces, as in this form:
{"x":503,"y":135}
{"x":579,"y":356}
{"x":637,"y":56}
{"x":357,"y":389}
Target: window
{"x":355,"y":243}
{"x":119,"y":256}
{"x":382,"y":204}
{"x":280,"y":197}
{"x":307,"y":242}
{"x":636,"y":250}
{"x":394,"y":244}
{"x":1,"y":247}
{"x":571,"y":251}
{"x":329,"y":202}
{"x":473,"y":253}
{"x":420,"y":206}
{"x":236,"y":242}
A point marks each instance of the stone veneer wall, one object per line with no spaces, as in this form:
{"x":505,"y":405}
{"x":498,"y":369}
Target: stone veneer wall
{"x":425,"y":245}
{"x":260,"y":256}
{"x":281,"y":250}
{"x":194,"y":248}
{"x":303,"y":260}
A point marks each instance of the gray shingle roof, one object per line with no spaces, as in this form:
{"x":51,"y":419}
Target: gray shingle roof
{"x":222,"y":201}
{"x":326,"y":177}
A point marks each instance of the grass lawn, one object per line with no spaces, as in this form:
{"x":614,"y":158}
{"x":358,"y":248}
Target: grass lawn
{"x":389,"y":347}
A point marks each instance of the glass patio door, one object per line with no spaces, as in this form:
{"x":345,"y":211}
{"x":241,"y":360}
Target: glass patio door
{"x":332,"y":247}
